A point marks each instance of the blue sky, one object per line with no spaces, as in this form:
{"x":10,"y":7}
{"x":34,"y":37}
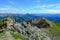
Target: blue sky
{"x":29,"y":6}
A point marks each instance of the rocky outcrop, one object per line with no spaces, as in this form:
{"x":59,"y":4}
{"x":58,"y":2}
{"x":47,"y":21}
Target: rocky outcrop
{"x":40,"y":23}
{"x":8,"y":23}
{"x":31,"y":30}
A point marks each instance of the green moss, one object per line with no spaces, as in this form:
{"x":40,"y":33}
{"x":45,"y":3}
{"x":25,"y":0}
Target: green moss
{"x":18,"y":36}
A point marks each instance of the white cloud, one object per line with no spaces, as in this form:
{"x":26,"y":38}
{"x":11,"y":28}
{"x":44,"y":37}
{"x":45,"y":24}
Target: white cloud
{"x":11,"y":10}
{"x":4,"y":8}
{"x":53,"y":11}
{"x":47,"y":6}
{"x":15,"y":10}
{"x":38,"y":7}
{"x":51,"y":8}
{"x":44,"y":6}
{"x":44,"y":11}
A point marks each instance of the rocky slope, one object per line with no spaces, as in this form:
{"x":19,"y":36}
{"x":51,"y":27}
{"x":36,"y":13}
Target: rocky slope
{"x":30,"y":30}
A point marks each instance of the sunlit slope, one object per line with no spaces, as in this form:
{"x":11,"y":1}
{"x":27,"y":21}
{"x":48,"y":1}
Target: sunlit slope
{"x":18,"y":36}
{"x":54,"y":30}
{"x":54,"y":26}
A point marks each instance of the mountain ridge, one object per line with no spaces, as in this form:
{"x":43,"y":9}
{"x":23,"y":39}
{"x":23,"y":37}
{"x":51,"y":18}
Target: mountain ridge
{"x":30,"y":30}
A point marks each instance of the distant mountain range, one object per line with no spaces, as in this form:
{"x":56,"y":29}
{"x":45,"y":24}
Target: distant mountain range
{"x":26,"y":17}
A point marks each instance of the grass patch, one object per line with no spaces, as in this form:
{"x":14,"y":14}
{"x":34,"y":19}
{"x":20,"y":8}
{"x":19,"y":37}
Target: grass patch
{"x":2,"y":34}
{"x":54,"y":30}
{"x":18,"y":36}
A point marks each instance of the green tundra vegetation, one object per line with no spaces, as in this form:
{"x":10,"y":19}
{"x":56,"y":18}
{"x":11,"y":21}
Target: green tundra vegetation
{"x":54,"y":30}
{"x":18,"y":36}
{"x":2,"y":34}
